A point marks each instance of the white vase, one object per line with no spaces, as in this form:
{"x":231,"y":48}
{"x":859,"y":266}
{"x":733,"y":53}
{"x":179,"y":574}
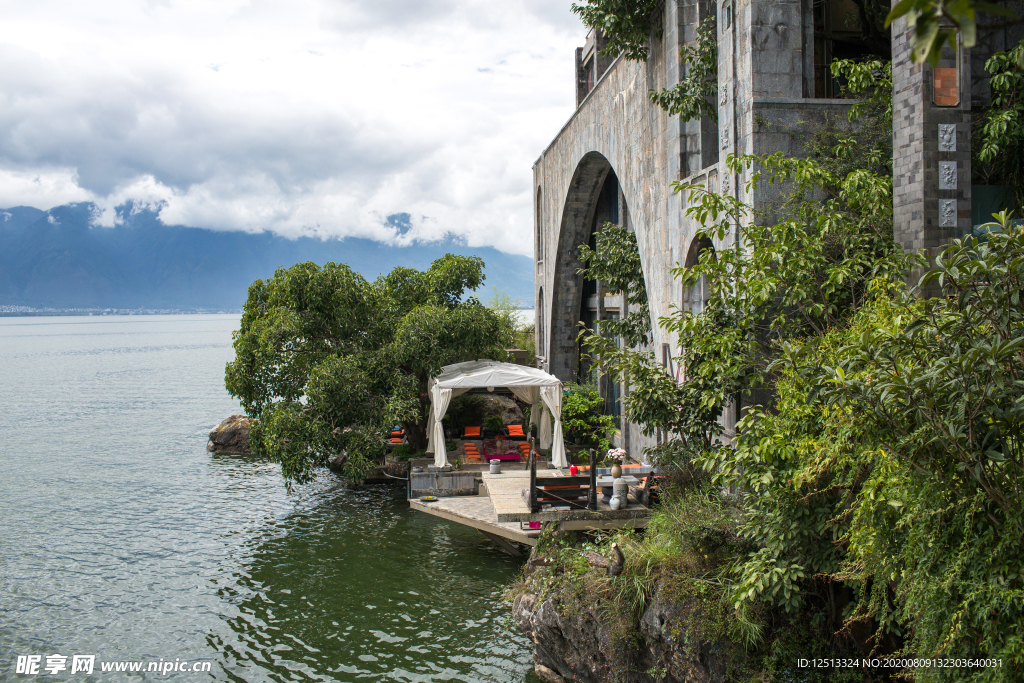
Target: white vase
{"x":615,"y":503}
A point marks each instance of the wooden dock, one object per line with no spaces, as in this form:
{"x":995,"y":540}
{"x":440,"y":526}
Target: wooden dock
{"x":500,"y":511}
{"x":478,"y":512}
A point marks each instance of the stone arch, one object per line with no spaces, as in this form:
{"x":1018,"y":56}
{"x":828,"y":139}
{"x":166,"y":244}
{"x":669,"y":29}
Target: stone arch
{"x":577,"y":216}
{"x":696,"y":297}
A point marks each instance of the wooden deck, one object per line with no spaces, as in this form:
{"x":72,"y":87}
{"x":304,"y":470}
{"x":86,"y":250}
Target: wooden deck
{"x":506,"y":493}
{"x":476,"y":512}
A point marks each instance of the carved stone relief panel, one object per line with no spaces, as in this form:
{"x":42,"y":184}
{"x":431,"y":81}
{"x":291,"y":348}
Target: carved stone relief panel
{"x":947,"y":175}
{"x":947,"y":137}
{"x":947,"y":213}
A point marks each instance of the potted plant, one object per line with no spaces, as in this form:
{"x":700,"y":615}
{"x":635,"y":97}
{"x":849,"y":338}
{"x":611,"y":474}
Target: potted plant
{"x":493,"y":426}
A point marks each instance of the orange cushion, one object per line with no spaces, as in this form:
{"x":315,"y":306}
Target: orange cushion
{"x":396,"y":441}
{"x":472,"y":431}
{"x":515,"y":430}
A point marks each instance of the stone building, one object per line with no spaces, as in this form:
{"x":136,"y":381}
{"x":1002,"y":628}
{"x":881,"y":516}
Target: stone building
{"x":617,"y":156}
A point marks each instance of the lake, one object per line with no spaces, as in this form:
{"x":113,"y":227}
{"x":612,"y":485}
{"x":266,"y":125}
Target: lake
{"x":123,"y":538}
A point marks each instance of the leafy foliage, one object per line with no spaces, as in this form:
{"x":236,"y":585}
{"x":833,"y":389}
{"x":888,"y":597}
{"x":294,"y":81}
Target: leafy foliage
{"x":583,"y":417}
{"x":626,"y":23}
{"x":616,"y":264}
{"x":880,"y":488}
{"x":467,"y":410}
{"x":696,"y":92}
{"x":937,"y":22}
{"x":327,"y":362}
{"x":890,"y":469}
{"x":1000,"y":130}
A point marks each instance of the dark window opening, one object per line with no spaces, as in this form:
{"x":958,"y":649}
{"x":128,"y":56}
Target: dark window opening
{"x":839,"y":34}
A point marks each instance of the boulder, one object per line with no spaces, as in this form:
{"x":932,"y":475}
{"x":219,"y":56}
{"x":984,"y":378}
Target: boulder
{"x":230,"y":436}
{"x":504,"y":407}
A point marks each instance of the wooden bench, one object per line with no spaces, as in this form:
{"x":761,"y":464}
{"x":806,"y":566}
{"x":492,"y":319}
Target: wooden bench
{"x":579,"y":492}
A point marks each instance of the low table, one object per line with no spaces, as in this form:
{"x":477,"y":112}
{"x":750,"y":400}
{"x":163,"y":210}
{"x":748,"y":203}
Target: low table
{"x":508,"y":451}
{"x":608,"y":480}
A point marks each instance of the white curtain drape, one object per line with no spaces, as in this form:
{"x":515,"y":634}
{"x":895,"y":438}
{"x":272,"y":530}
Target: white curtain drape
{"x":552,"y":399}
{"x":430,"y":415}
{"x":529,"y":395}
{"x":439,"y":400}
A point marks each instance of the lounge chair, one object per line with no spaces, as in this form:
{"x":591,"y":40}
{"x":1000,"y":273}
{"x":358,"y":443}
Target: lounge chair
{"x":516,"y":433}
{"x":472,"y":432}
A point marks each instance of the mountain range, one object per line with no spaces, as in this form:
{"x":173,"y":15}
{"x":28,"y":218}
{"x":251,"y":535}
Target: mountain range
{"x":60,"y":259}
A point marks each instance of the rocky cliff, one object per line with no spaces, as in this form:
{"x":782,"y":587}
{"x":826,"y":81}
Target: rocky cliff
{"x":583,"y":644}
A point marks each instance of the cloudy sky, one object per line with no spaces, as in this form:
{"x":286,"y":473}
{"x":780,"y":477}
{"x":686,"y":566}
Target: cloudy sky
{"x":296,"y":116}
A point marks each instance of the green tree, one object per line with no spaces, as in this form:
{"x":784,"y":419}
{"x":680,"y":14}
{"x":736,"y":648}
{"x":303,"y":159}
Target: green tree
{"x":326,"y":362}
{"x":626,"y":23}
{"x":1000,"y":130}
{"x":520,"y":332}
{"x":583,"y":417}
{"x":616,"y":264}
{"x":694,"y":95}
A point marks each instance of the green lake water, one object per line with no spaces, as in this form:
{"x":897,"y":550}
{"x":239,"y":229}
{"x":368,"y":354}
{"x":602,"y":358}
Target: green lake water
{"x":121,"y":537}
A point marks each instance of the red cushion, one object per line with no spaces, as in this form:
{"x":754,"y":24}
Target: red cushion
{"x":515,"y":430}
{"x":472,"y":431}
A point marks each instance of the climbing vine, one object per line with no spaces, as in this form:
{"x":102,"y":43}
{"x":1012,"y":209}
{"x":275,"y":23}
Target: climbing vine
{"x":695,"y":94}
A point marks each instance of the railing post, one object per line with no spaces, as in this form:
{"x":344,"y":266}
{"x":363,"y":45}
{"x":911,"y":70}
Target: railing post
{"x":592,"y":494}
{"x":534,"y":507}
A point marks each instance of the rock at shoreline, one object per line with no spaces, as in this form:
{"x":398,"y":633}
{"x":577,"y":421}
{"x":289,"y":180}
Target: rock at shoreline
{"x":230,"y":436}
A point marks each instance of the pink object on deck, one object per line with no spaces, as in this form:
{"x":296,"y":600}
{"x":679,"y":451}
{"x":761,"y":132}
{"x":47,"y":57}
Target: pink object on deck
{"x":507,"y":451}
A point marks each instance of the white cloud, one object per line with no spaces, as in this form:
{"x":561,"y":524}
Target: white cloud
{"x":306,"y":116}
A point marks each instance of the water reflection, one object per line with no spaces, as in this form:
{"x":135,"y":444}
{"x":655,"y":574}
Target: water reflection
{"x":351,"y":584}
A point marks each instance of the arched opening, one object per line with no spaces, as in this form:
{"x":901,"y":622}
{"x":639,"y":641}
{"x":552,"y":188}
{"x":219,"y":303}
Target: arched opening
{"x":591,"y":306}
{"x":566,"y":296}
{"x":595,"y":198}
{"x":695,"y":298}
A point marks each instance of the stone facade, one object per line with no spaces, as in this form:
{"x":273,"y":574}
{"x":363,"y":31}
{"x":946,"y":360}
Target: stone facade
{"x":618,"y":143}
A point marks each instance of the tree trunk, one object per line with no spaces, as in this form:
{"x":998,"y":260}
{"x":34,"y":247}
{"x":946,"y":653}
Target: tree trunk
{"x":417,"y":435}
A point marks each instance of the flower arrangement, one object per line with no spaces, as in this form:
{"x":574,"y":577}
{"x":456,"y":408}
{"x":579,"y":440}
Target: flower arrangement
{"x":616,"y":454}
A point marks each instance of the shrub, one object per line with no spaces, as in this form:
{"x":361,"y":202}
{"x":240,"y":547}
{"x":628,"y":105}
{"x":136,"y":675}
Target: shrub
{"x":583,"y":417}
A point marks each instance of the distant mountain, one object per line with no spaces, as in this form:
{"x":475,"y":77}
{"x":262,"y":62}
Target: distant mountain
{"x":58,"y":259}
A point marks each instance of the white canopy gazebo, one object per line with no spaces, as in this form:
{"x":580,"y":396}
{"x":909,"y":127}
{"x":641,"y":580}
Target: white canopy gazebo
{"x":542,"y":391}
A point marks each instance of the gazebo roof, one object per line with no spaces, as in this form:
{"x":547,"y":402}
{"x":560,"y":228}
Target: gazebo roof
{"x":491,"y":373}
